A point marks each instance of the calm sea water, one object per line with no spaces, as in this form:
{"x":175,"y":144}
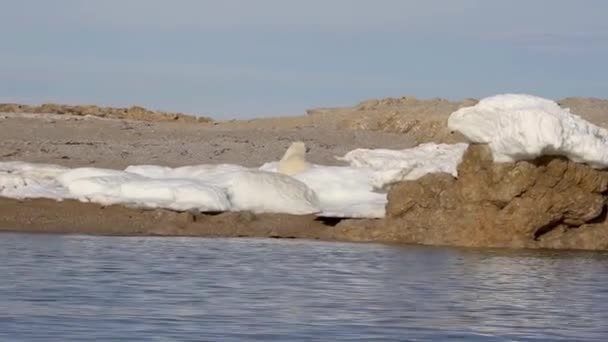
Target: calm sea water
{"x":63,"y":288}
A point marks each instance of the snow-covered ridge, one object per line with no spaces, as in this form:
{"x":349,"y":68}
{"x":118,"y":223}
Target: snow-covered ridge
{"x":523,"y":127}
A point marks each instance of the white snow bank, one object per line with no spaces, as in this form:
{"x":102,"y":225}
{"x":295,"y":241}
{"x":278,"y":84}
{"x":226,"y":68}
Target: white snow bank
{"x":409,"y":164}
{"x":217,"y":175}
{"x":358,"y":190}
{"x":206,"y":188}
{"x":106,"y":186}
{"x":523,"y":127}
{"x":26,"y":180}
{"x":247,"y":189}
{"x":68,"y":177}
{"x":177,"y":194}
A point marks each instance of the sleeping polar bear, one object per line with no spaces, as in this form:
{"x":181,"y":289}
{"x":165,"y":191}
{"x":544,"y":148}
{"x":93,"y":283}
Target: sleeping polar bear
{"x":294,"y":160}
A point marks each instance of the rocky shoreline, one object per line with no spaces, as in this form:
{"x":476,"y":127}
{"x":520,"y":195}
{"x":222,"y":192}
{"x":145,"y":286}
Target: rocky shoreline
{"x":549,"y":203}
{"x":541,"y":202}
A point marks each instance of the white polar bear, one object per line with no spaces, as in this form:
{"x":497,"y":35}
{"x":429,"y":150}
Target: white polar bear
{"x":268,"y":192}
{"x":294,"y":160}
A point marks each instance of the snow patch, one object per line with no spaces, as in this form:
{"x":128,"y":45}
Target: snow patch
{"x":524,"y":127}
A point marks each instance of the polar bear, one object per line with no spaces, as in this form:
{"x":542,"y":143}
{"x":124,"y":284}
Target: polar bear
{"x":270,"y":192}
{"x":294,"y":159}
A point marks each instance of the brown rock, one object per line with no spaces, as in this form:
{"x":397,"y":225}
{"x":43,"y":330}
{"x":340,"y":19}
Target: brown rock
{"x":588,"y":236}
{"x":430,"y":192}
{"x":503,"y":205}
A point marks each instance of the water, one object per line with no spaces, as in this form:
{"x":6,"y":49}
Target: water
{"x":64,"y":288}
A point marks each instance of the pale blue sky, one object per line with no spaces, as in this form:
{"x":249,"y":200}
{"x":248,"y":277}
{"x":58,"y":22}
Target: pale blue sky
{"x":246,"y":58}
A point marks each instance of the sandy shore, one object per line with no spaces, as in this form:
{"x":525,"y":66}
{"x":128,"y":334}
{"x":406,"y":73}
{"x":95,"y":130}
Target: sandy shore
{"x":91,"y":141}
{"x":49,"y":216}
{"x":394,"y":123}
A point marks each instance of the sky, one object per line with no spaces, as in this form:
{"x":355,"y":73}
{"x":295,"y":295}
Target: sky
{"x":251,"y":58}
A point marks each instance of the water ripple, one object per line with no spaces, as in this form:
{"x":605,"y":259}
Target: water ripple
{"x":60,"y":288}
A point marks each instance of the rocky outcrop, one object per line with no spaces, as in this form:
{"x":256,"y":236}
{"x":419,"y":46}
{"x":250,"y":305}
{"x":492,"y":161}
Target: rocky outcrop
{"x":549,"y":202}
{"x":131,"y":113}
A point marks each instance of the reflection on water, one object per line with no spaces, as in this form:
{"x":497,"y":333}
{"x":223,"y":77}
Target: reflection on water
{"x":157,"y":289}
